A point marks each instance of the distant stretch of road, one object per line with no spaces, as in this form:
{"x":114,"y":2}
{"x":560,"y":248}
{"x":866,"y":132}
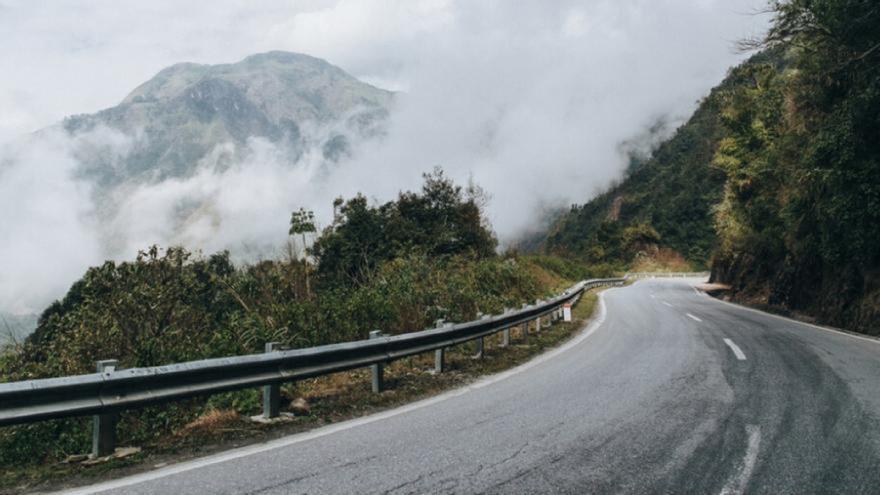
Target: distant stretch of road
{"x":669,"y":391}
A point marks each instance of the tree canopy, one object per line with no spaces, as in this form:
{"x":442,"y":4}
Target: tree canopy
{"x":442,"y":219}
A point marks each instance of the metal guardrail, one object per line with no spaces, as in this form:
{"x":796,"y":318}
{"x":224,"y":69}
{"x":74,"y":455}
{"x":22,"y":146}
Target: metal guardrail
{"x":638,"y":275}
{"x":106,"y":393}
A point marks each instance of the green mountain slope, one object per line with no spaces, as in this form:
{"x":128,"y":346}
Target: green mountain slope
{"x":799,"y":223}
{"x":774,"y":181}
{"x":665,"y":200}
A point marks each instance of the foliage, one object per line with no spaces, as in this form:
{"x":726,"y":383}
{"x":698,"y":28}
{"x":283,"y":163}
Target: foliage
{"x":172,"y":305}
{"x":302,"y":222}
{"x":570,"y":269}
{"x":775,"y":178}
{"x":801,"y":206}
{"x":440,"y":221}
{"x":671,"y":193}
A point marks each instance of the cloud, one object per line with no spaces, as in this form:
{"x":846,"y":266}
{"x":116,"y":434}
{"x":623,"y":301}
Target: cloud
{"x":531,"y":99}
{"x":48,"y":238}
{"x":245,"y":208}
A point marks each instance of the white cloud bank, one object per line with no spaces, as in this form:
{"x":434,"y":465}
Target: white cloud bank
{"x":531,"y":99}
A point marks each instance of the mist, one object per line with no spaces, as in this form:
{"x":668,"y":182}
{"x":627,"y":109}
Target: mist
{"x":531,"y":100}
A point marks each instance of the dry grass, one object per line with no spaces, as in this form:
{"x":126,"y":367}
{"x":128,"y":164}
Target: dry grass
{"x":212,"y":421}
{"x":663,"y":260}
{"x":547,"y":278}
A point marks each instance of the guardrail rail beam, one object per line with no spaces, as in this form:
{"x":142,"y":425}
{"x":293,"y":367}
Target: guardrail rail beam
{"x":106,"y":393}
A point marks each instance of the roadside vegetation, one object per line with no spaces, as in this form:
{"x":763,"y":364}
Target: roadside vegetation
{"x":397,"y":267}
{"x":799,"y":223}
{"x":774,"y":181}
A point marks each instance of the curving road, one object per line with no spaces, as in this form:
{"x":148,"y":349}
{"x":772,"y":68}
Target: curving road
{"x":669,"y":391}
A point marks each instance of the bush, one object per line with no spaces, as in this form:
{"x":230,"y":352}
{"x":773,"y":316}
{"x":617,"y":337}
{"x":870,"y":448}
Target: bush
{"x":170,"y":306}
{"x":440,"y":221}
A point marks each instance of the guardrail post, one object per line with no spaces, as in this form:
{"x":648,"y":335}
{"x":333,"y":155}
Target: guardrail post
{"x":378,"y":370}
{"x":505,"y":334}
{"x":440,"y":360}
{"x":481,"y":342}
{"x":439,"y":354}
{"x":104,"y":425}
{"x":524,"y":328}
{"x":271,"y":393}
{"x":538,"y":323}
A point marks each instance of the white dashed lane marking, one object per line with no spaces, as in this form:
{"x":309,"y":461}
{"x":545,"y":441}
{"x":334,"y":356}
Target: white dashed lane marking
{"x":736,"y":350}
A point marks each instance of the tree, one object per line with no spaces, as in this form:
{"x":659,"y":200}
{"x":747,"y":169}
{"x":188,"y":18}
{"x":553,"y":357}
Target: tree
{"x":438,"y":221}
{"x":302,"y":222}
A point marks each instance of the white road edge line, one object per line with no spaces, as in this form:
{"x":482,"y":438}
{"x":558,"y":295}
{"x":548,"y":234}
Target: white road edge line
{"x":693,"y":317}
{"x":737,"y":484}
{"x":792,"y":320}
{"x":666,"y":303}
{"x":346,"y":425}
{"x":736,"y":350}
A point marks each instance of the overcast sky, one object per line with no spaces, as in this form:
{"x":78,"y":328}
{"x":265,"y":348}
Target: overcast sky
{"x":532,"y":99}
{"x":61,"y":57}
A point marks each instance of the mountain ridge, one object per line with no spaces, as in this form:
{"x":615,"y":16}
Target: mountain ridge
{"x":186,"y":110}
{"x":154,"y":167}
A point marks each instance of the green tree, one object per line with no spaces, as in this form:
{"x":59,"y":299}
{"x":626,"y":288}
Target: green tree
{"x":302,"y":222}
{"x":440,"y":220}
{"x":801,"y":212}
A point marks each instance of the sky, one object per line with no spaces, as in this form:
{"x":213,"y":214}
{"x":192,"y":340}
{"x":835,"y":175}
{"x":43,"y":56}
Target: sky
{"x":530,"y":99}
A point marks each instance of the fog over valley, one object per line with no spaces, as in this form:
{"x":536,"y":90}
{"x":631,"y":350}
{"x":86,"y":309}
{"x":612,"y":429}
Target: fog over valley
{"x":110,"y":143}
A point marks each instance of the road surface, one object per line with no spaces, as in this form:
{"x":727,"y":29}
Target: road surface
{"x":669,"y":391}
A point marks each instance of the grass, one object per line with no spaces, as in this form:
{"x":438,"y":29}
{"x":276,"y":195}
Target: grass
{"x":664,"y":260}
{"x":332,"y":398}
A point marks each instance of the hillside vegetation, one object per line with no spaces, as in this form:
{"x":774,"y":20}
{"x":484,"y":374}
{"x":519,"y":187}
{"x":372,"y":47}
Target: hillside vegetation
{"x":775,"y":179}
{"x":799,"y":224}
{"x":397,"y":267}
{"x":664,"y":201}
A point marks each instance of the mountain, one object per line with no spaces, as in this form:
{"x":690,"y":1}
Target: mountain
{"x":667,"y":198}
{"x":775,"y":180}
{"x":180,"y":116}
{"x":155,"y":167}
{"x":665,"y":201}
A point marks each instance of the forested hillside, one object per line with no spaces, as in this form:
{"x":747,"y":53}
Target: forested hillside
{"x":665,"y":200}
{"x":799,"y":225}
{"x":774,"y":181}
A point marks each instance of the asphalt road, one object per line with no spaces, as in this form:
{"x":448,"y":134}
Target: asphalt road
{"x":674,"y":392}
